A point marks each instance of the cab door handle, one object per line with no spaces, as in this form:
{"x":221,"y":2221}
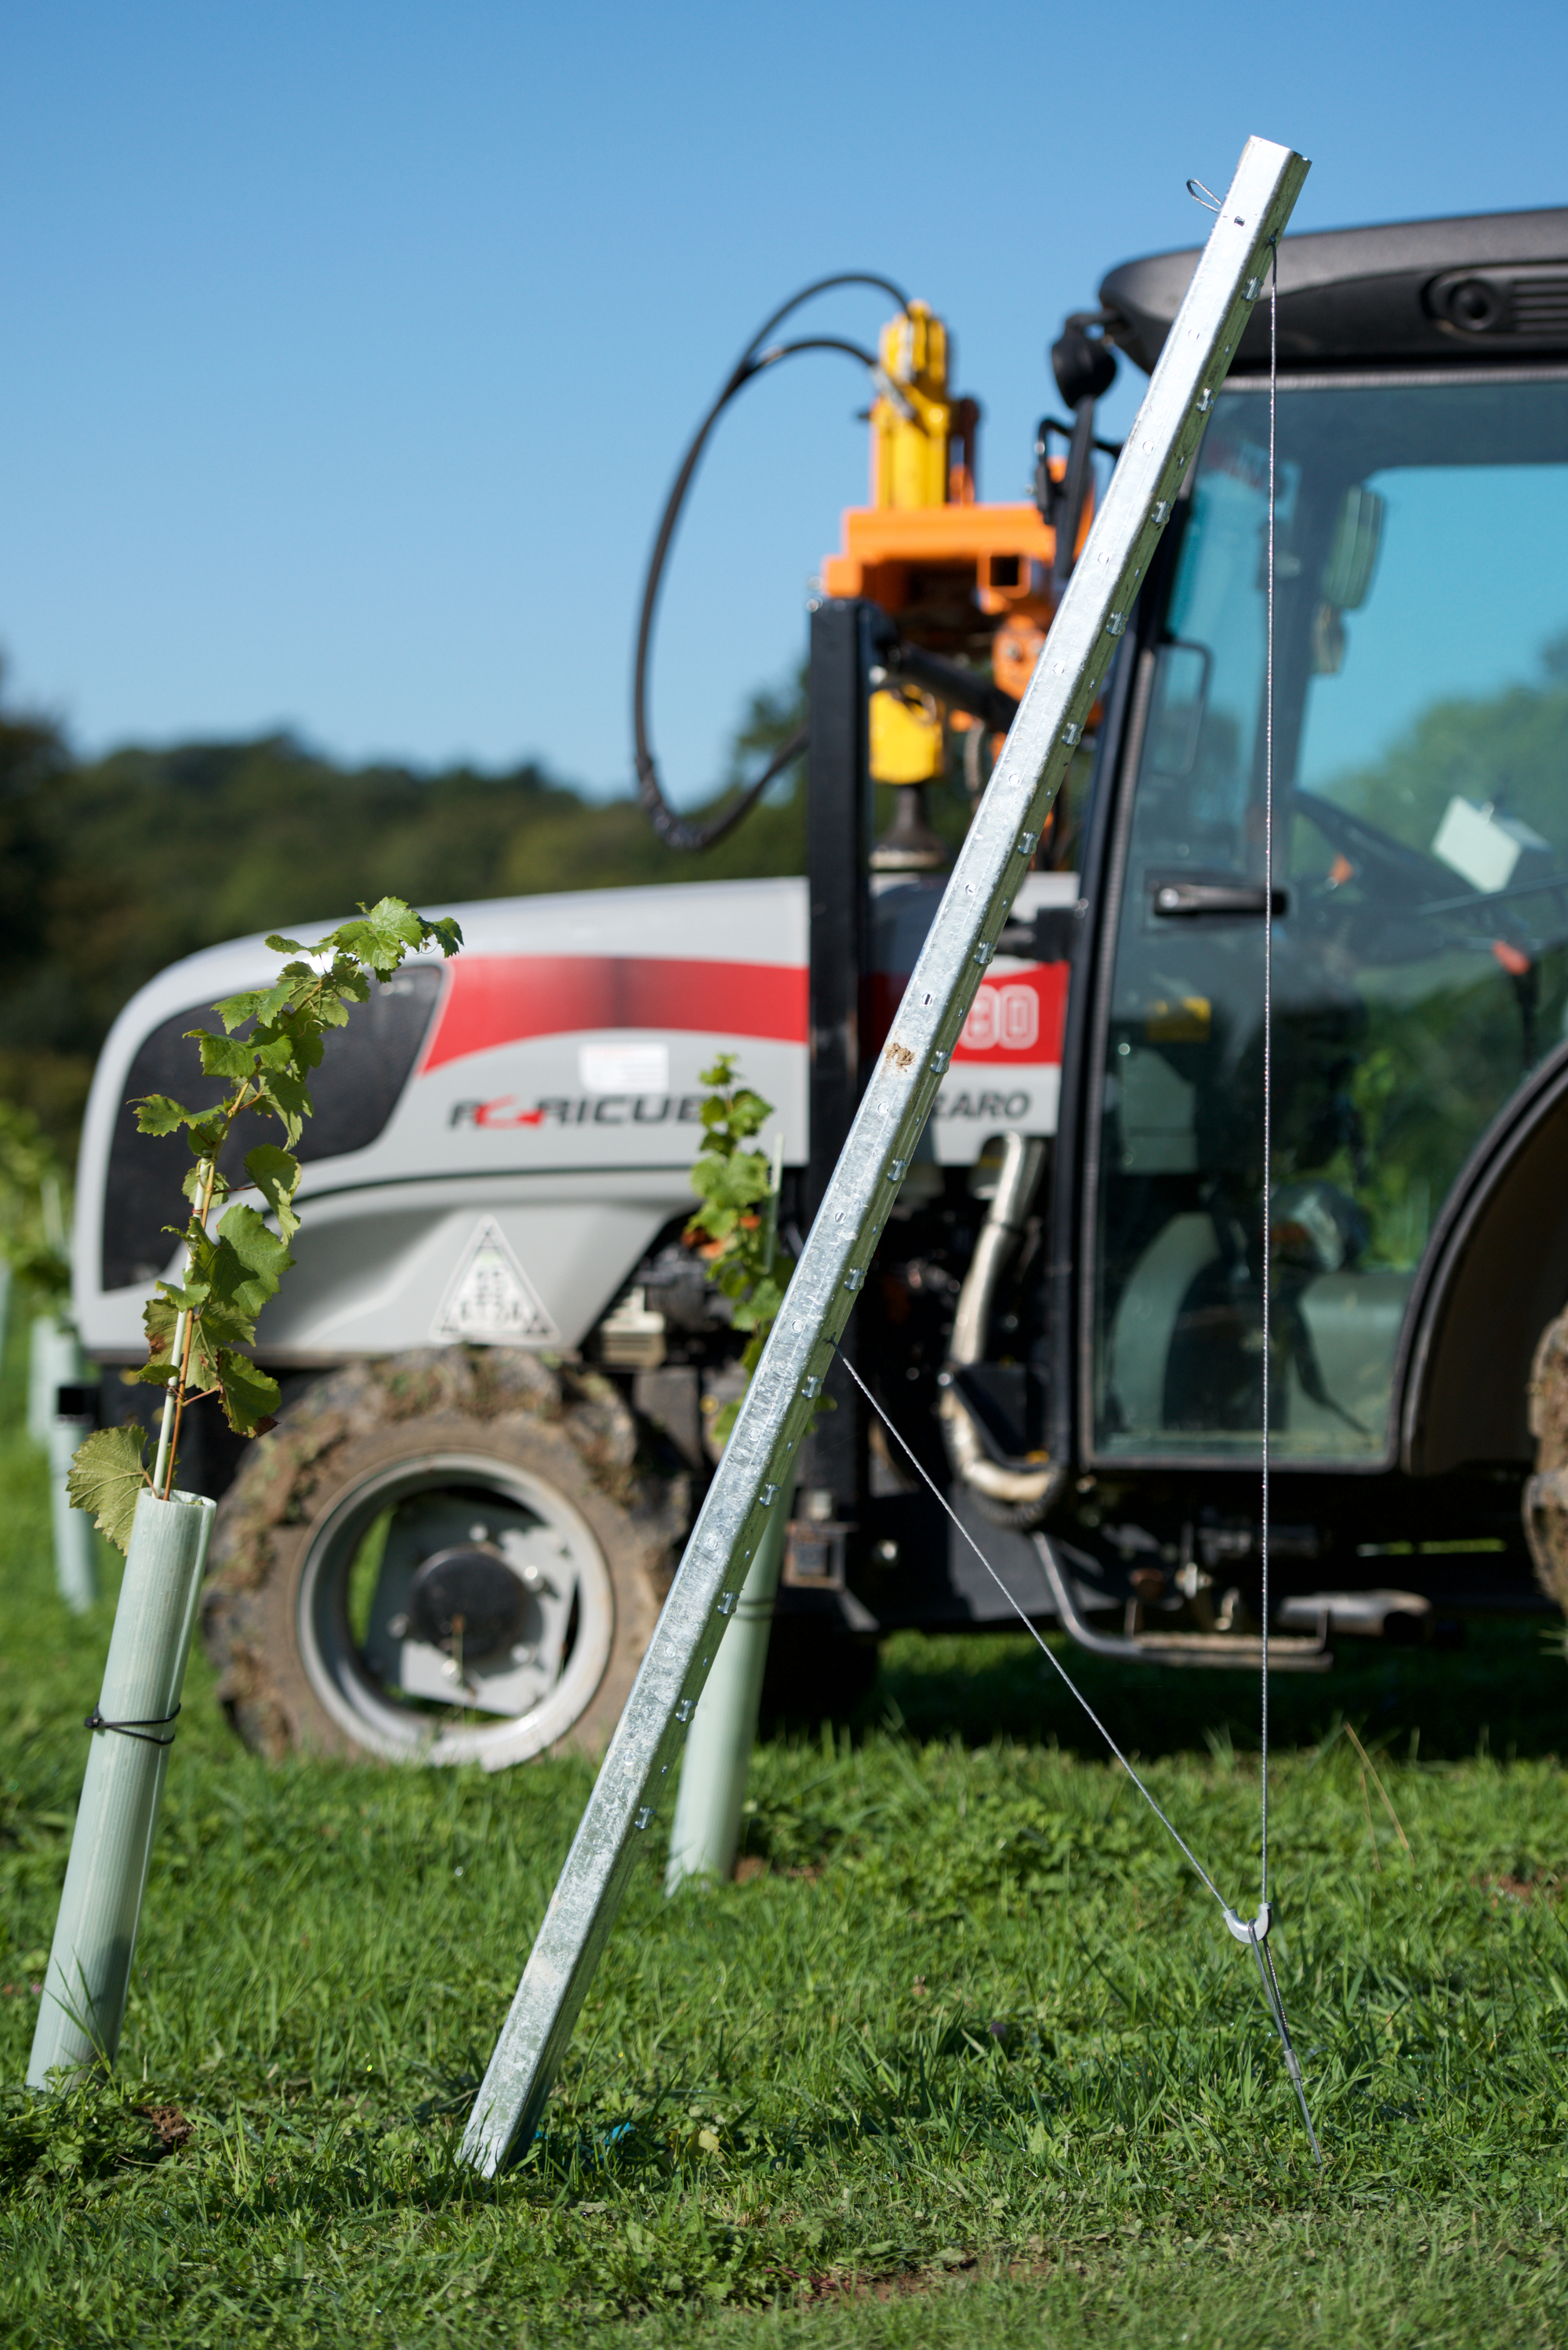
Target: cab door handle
{"x":1174,"y":900}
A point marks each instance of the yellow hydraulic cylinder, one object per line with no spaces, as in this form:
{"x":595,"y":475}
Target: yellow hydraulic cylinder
{"x":905,"y":738}
{"x":911,"y":417}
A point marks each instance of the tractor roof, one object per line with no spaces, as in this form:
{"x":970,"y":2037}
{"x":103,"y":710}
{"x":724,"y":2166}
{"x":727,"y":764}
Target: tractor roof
{"x":1488,"y":287}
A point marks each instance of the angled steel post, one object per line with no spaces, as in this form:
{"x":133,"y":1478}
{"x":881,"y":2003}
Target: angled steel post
{"x":639,"y":1767}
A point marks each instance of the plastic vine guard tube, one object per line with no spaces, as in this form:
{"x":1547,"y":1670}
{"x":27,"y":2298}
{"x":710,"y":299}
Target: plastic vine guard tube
{"x":89,"y":1974}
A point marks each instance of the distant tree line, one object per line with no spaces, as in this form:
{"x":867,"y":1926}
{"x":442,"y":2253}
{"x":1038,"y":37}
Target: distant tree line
{"x":111,"y":868}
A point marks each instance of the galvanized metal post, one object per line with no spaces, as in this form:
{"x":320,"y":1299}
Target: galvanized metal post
{"x":761,"y":1457}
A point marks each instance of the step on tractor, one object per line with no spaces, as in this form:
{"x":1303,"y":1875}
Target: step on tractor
{"x":502,"y":1358}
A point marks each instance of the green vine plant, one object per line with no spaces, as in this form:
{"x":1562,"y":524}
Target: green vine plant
{"x":198,"y":1328}
{"x":33,"y":1209}
{"x":736,"y":1227}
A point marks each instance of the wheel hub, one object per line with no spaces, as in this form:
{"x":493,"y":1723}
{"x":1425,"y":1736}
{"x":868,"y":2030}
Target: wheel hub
{"x":466,"y":1601}
{"x":484,"y":1592}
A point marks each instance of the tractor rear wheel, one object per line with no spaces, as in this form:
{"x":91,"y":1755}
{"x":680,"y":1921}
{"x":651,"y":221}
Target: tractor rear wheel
{"x":442,"y":1557}
{"x":1546,"y":1494}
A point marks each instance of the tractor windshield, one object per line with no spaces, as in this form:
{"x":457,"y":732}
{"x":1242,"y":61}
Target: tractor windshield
{"x":1421,"y":875}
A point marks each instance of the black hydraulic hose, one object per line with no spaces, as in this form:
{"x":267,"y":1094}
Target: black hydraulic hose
{"x":961,"y":688}
{"x":672,"y":829}
{"x":1075,"y":492}
{"x":1112,"y":449}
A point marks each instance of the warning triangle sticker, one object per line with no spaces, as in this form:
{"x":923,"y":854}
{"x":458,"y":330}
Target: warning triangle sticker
{"x":492,"y":1300}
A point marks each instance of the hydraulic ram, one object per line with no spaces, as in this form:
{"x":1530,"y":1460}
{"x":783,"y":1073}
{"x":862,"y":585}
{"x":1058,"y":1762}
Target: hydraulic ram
{"x":753,"y":1477}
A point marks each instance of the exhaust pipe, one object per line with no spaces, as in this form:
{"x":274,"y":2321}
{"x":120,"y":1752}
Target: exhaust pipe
{"x":1025,"y":1494}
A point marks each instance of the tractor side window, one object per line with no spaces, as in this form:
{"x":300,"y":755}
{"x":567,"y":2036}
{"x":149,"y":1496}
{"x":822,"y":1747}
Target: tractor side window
{"x":1421,"y":912}
{"x":363,"y":1072}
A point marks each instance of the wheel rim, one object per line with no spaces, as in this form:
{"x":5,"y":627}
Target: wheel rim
{"x":382,"y":1648}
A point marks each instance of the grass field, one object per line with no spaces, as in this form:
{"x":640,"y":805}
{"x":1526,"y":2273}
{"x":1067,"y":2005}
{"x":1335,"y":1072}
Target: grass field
{"x":967,"y":2058}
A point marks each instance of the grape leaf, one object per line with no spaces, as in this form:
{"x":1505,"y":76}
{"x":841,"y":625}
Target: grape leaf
{"x":290,"y":1097}
{"x":262,"y":1005}
{"x":250,"y":1396}
{"x":273,"y":1048}
{"x":263,"y":1257}
{"x":231,"y":1275}
{"x":276,"y":1177}
{"x":158,"y":1114}
{"x":389,"y":928}
{"x":222,"y":1056}
{"x":106,"y":1476}
{"x":159,"y":1317}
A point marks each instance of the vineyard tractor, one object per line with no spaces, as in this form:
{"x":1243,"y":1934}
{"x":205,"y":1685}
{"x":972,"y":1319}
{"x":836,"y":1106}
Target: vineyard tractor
{"x":502,"y":1361}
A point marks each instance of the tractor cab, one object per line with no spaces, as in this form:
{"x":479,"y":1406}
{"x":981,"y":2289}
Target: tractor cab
{"x":1101,"y":1348}
{"x":1416,"y":721}
{"x":1104,"y":1393}
{"x":1419,"y":746}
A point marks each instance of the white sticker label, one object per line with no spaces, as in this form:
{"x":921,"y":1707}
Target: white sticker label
{"x":491,"y":1301}
{"x":624,"y":1068}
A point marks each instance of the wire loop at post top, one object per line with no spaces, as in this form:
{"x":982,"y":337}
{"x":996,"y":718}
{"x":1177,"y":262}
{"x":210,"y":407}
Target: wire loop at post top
{"x":1255,"y":1930}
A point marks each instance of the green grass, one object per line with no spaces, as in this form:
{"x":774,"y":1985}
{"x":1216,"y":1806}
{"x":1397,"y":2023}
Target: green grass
{"x":969,"y":2061}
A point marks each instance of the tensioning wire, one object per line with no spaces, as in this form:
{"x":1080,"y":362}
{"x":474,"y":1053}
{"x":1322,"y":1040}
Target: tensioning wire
{"x":1242,"y":1928}
{"x":1267,"y":1055}
{"x":1258,"y":1939}
{"x":1046,"y":1651}
{"x":1206,"y":197}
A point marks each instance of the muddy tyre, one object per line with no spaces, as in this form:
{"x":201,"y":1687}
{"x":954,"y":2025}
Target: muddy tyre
{"x":1546,"y":1494}
{"x":442,"y":1557}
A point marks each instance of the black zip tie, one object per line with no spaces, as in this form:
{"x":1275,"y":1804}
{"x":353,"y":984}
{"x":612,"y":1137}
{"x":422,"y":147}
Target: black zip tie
{"x":137,"y":1729}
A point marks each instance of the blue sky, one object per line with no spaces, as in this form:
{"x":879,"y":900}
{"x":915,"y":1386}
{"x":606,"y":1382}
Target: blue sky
{"x":351,"y":347}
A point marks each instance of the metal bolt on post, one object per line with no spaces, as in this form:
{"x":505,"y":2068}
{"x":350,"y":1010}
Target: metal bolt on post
{"x":132,"y":1726}
{"x":761,"y":1457}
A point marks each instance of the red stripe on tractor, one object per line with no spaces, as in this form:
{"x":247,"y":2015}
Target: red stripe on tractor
{"x":1017,"y":1017}
{"x":506,"y":998}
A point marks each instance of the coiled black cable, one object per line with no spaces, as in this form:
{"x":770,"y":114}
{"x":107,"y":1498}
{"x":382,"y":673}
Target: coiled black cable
{"x":672,"y":829}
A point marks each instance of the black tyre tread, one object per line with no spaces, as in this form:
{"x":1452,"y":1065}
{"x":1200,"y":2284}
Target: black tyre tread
{"x":568,"y":1424}
{"x":1545,"y":1500}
